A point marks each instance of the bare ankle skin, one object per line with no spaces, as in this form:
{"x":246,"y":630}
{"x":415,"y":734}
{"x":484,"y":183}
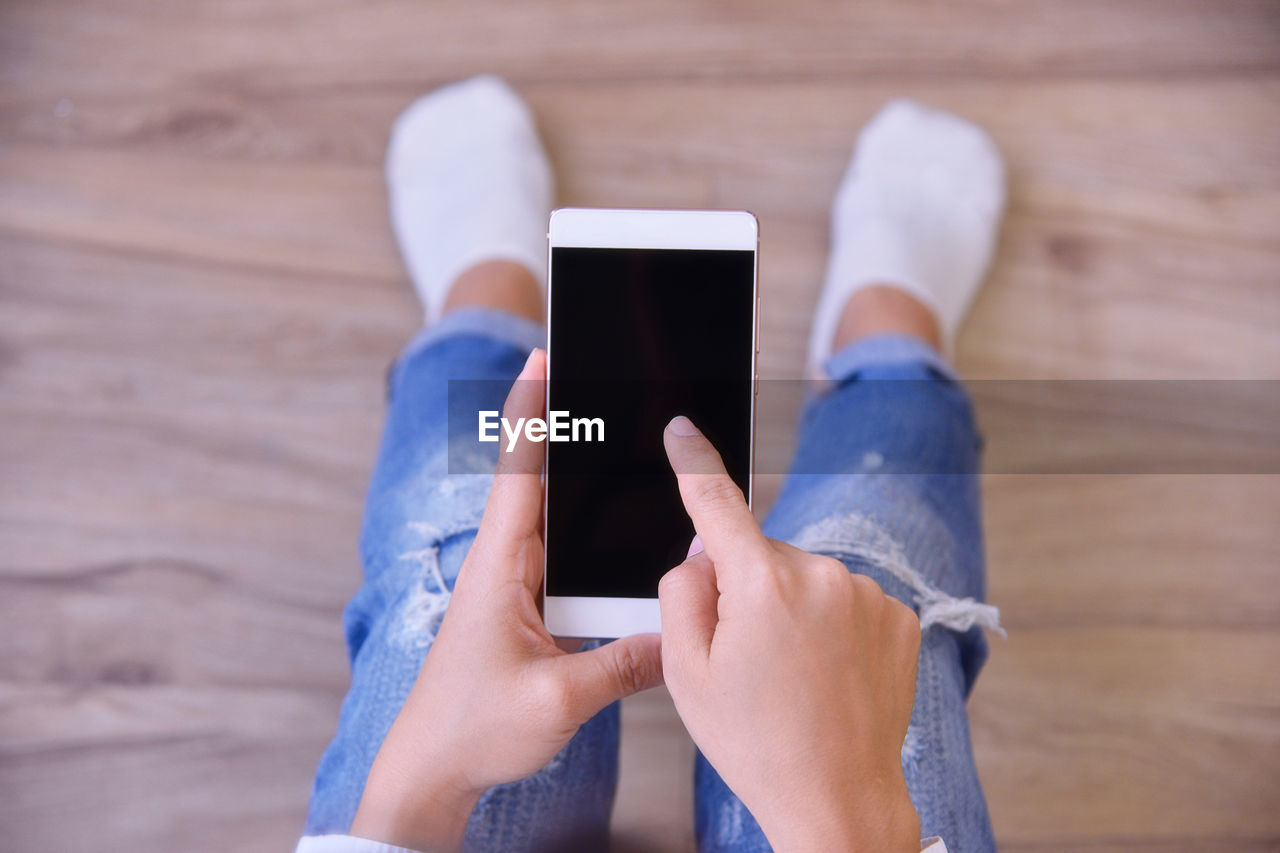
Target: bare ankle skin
{"x":506,"y":285}
{"x":882,"y":309}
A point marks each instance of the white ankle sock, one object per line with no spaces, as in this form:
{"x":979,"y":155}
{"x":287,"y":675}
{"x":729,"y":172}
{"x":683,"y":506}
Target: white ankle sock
{"x":469,"y":182}
{"x":919,"y":209}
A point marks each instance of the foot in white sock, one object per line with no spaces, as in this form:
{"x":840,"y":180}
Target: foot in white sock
{"x":469,"y":182}
{"x":919,"y":209}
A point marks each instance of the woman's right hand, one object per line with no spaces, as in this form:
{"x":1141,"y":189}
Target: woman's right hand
{"x":794,"y":677}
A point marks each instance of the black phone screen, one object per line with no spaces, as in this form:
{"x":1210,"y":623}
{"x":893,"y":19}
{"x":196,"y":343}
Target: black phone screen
{"x":639,"y":336}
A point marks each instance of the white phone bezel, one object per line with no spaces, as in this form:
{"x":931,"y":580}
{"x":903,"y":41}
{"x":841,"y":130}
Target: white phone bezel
{"x":573,"y":616}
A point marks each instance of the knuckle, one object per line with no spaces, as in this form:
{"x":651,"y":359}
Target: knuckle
{"x":829,"y":573}
{"x":716,"y":493}
{"x":833,"y":568}
{"x":550,"y":694}
{"x":904,"y":615}
{"x":867,"y":586}
{"x":631,"y":671}
{"x":908,"y":625}
{"x":836,"y":565}
{"x":671,"y":583}
{"x":769,"y":583}
{"x":781,"y":550}
{"x":914,"y":641}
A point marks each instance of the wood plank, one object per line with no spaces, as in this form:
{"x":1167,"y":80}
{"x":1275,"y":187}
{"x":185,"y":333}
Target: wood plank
{"x":654,"y":806}
{"x":151,"y":377}
{"x":1111,"y":550}
{"x":1142,"y":844}
{"x":158,"y":767}
{"x":1166,"y":735}
{"x":171,"y":623}
{"x":239,"y":47}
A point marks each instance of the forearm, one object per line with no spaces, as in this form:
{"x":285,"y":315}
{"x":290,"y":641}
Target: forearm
{"x":397,"y":809}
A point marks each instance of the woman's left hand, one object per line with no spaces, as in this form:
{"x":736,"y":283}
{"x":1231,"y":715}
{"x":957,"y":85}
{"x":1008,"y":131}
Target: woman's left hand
{"x":496,"y":699}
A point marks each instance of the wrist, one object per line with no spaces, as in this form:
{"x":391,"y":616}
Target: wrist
{"x":407,"y":810}
{"x":876,"y":818}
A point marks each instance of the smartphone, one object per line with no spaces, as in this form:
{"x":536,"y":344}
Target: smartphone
{"x":650,"y":314}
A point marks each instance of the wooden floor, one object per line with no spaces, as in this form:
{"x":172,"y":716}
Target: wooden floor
{"x":199,"y":294}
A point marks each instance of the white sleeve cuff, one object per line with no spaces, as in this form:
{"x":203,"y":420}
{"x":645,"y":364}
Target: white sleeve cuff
{"x":346,"y":844}
{"x":351,"y":844}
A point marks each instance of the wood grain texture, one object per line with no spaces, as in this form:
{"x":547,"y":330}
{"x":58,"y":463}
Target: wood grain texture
{"x":199,"y":294}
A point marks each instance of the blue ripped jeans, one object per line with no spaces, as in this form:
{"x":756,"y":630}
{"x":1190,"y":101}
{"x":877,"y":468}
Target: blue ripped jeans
{"x":918,"y":534}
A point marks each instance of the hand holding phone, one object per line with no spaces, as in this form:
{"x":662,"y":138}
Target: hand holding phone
{"x":496,"y":699}
{"x":794,"y":677}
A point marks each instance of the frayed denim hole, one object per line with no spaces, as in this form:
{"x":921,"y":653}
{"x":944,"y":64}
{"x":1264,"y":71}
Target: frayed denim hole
{"x":855,"y":537}
{"x":419,"y":617}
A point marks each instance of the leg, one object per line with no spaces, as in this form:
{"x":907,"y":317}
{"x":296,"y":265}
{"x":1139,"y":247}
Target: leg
{"x":885,"y":479}
{"x":424,"y":506}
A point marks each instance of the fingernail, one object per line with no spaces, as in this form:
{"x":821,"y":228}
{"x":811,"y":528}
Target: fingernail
{"x":527,"y":362}
{"x":695,"y":547}
{"x":681,"y":425}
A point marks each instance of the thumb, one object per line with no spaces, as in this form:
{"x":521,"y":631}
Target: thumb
{"x":690,"y":611}
{"x":514,"y":507}
{"x":601,"y":676}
